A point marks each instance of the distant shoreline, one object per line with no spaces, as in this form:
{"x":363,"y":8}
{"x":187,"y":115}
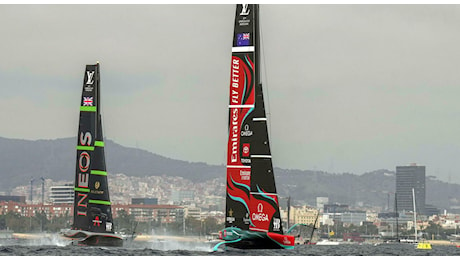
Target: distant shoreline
{"x":444,"y":242}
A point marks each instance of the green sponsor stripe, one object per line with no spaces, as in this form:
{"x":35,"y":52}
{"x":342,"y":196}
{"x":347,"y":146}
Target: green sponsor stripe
{"x":87,"y":109}
{"x":102,"y":202}
{"x":97,"y":172}
{"x":99,"y":143}
{"x":81,"y":189}
{"x":86,"y":148}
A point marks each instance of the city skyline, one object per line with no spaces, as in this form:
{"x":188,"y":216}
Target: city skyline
{"x":349,"y":88}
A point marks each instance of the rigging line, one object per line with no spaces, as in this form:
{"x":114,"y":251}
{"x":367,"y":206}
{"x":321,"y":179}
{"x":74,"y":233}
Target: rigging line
{"x":262,"y":50}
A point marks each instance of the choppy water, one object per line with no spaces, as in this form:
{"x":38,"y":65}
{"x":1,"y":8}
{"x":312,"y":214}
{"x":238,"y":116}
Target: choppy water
{"x":57,"y":247}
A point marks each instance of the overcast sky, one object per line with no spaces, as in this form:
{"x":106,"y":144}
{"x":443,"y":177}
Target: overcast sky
{"x":348,"y":88}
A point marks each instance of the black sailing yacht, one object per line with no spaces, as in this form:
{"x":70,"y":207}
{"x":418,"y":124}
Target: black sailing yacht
{"x":92,"y":213}
{"x":253,"y":217}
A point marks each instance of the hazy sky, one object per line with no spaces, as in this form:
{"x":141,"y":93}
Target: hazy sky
{"x":348,"y":88}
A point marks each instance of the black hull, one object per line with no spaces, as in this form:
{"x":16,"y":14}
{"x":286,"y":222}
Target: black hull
{"x":100,"y":240}
{"x":85,"y":238}
{"x":255,"y":244}
{"x":248,"y":239}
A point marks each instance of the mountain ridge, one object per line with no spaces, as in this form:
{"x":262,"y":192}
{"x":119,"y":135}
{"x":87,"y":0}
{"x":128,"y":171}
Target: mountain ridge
{"x":40,"y":158}
{"x":21,"y":160}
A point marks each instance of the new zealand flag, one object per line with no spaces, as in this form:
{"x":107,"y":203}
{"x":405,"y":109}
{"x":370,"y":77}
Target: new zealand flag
{"x":242,"y":39}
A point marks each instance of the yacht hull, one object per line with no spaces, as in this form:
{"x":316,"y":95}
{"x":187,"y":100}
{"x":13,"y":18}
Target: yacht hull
{"x":86,"y":238}
{"x":248,"y":239}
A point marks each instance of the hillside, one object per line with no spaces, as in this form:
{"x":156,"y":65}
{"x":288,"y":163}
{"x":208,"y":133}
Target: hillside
{"x":373,"y":189}
{"x":21,"y":160}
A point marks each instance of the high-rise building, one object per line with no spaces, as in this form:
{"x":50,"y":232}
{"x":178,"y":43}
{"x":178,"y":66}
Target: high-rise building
{"x":321,"y":201}
{"x":408,"y":178}
{"x":62,"y":194}
{"x":178,"y":196}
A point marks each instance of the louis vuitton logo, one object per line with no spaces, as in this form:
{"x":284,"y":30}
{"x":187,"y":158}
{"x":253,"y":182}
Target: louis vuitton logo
{"x":245,"y":10}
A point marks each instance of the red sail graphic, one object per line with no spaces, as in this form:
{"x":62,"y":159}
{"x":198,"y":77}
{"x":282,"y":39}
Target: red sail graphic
{"x":242,"y":81}
{"x":241,"y":104}
{"x":262,"y":213}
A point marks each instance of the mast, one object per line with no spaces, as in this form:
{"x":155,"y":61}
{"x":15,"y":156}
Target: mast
{"x":415,"y":215}
{"x":314,"y":226}
{"x":397,"y":217}
{"x":43,"y":190}
{"x":257,"y":44}
{"x":288,"y":211}
{"x":31,"y":190}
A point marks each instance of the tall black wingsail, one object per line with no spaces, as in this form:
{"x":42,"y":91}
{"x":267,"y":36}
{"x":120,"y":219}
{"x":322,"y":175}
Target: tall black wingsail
{"x":252,"y":201}
{"x":241,"y":106}
{"x":92,"y":207}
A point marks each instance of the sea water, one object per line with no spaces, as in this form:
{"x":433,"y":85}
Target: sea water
{"x":54,"y":246}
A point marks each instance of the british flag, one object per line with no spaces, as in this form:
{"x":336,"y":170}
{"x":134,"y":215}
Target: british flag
{"x":87,"y":101}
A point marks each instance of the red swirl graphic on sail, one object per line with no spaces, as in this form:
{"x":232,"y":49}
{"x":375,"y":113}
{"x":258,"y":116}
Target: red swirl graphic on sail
{"x":242,"y":82}
{"x":264,"y":208}
{"x":241,"y":104}
{"x":238,"y":184}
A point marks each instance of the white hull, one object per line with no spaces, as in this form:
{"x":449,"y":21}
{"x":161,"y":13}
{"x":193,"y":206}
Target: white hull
{"x":327,"y":243}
